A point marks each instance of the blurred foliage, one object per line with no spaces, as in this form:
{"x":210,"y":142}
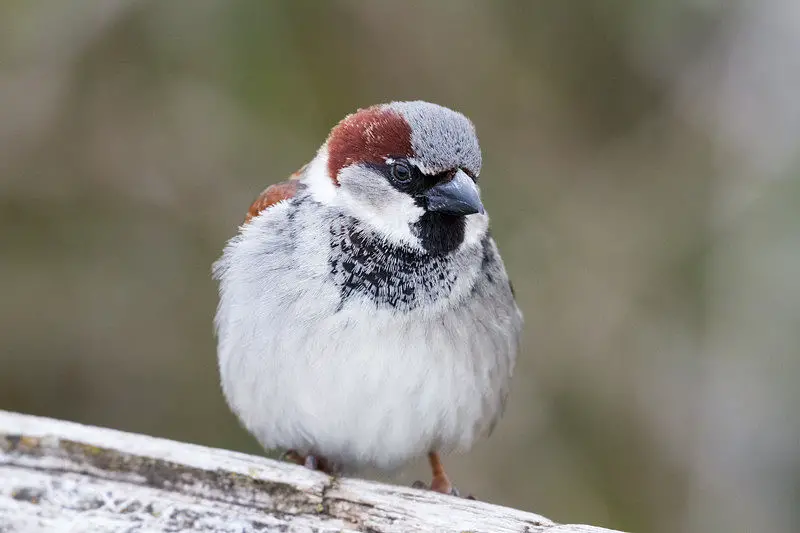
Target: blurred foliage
{"x":641,"y":171}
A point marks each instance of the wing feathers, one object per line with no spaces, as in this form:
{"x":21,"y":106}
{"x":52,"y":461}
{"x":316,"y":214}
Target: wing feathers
{"x":273,"y":194}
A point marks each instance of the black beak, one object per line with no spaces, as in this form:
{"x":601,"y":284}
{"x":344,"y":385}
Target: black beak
{"x":458,"y":196}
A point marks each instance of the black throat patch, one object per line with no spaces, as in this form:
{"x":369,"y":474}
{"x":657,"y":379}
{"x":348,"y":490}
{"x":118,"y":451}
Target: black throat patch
{"x":391,"y":276}
{"x":440,"y":233}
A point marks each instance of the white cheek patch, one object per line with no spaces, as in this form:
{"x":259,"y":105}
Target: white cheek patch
{"x":475,"y":230}
{"x":319,"y":182}
{"x":367,"y":196}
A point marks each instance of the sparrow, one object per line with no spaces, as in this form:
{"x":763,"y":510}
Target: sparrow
{"x":365,"y":317}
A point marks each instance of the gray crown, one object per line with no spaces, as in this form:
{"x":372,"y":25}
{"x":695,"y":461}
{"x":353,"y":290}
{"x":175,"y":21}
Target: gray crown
{"x":441,"y":138}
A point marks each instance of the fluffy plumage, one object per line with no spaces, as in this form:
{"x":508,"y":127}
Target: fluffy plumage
{"x":357,"y":322}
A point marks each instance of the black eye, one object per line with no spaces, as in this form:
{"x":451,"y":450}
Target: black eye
{"x":401,"y":171}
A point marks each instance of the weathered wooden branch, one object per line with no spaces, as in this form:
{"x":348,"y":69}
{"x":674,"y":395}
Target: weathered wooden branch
{"x":60,"y":476}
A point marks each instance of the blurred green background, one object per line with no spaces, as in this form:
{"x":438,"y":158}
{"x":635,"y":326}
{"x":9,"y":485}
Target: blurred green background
{"x":640,"y":166}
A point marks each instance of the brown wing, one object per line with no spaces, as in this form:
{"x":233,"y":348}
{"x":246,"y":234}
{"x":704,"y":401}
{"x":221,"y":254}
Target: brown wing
{"x":274,"y":194}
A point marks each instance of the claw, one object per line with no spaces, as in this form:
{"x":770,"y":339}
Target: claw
{"x":453,"y":490}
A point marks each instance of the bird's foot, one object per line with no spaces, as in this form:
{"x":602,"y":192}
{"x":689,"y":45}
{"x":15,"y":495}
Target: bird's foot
{"x":440,"y":482}
{"x":447,"y":488}
{"x":293,"y":457}
{"x":312,"y":462}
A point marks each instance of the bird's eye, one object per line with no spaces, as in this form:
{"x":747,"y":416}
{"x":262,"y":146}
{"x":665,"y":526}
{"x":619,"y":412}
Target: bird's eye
{"x":401,"y":171}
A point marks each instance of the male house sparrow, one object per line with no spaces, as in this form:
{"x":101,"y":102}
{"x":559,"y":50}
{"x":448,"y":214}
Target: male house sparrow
{"x":365,"y":315}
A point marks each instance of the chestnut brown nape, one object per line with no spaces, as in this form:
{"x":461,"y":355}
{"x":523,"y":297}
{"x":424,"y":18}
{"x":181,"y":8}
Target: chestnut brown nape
{"x":368,"y":136}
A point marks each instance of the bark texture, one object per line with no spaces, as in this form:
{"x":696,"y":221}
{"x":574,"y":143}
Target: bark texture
{"x":58,"y":476}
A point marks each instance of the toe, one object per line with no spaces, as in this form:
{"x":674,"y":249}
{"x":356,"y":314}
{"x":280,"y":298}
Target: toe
{"x":452,"y":491}
{"x":455,"y":492}
{"x":292,"y":457}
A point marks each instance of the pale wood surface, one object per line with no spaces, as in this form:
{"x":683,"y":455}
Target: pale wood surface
{"x":58,"y":476}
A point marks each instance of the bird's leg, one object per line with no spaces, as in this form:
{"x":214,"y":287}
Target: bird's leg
{"x":326,"y":466}
{"x":440,"y":482}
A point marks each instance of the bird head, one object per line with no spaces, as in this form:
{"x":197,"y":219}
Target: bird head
{"x":408,"y":170}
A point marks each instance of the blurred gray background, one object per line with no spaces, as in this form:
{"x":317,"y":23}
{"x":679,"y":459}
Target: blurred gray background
{"x":640,"y":166}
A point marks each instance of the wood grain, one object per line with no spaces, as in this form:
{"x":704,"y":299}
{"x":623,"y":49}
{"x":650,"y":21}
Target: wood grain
{"x":58,"y":476}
